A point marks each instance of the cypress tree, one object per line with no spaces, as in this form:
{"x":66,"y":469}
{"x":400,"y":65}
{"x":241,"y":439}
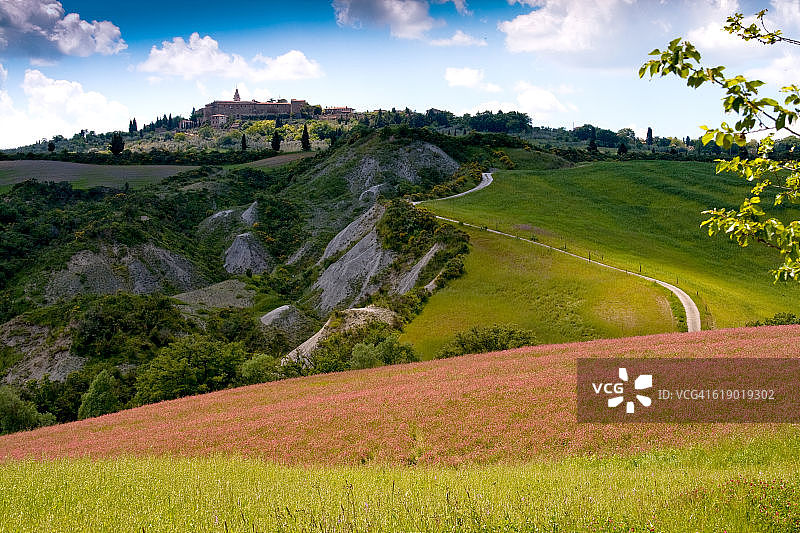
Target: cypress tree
{"x":305,"y":141}
{"x":276,"y":141}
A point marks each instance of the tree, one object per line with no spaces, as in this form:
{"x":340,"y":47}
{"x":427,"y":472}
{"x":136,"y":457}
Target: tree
{"x":191,"y":365}
{"x":51,"y":146}
{"x":117,"y":144}
{"x":593,"y":140}
{"x":753,"y":221}
{"x":101,"y":398}
{"x":305,"y":141}
{"x":649,"y":140}
{"x":276,"y":141}
{"x":19,"y":415}
{"x":244,"y":142}
{"x":622,"y":149}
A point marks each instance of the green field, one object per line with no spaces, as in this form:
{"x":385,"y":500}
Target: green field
{"x":84,"y":176}
{"x":558,"y":297}
{"x":639,"y":214}
{"x":737,"y":486}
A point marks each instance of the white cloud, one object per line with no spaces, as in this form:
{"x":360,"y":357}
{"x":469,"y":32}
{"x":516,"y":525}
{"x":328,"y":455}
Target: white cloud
{"x":785,"y":12}
{"x":41,"y":29}
{"x":560,"y":25}
{"x":3,"y":76}
{"x":537,"y":101}
{"x":541,"y":104}
{"x":56,"y":107}
{"x":459,"y":38}
{"x":202,"y":57}
{"x":781,"y":71}
{"x":407,"y":19}
{"x":460,"y":5}
{"x":469,"y":77}
{"x":258,"y":93}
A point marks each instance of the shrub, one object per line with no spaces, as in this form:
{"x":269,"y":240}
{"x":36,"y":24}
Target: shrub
{"x":479,"y":339}
{"x":101,"y":398}
{"x":365,"y":356}
{"x":191,"y":365}
{"x":779,"y":319}
{"x":261,"y":368}
{"x":18,"y":415}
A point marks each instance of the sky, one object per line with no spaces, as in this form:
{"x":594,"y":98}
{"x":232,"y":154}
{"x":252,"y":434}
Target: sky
{"x":72,"y":65}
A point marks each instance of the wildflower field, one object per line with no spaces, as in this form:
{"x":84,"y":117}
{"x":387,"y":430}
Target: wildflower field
{"x":508,"y":406}
{"x":484,"y":442}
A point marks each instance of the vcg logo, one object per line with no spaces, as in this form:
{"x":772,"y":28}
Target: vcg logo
{"x":644,"y":381}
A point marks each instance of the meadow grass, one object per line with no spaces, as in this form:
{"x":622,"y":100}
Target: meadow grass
{"x":641,"y":214}
{"x":85,"y":176}
{"x":558,"y":297}
{"x":737,"y":486}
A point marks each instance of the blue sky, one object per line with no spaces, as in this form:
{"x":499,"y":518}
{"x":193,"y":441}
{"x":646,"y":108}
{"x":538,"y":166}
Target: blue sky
{"x":95,"y":64}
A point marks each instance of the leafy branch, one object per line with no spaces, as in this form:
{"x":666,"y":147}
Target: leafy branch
{"x":750,"y":222}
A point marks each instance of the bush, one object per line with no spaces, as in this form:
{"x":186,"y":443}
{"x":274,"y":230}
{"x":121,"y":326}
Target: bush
{"x":365,"y":356}
{"x":101,"y":398}
{"x":261,"y":368}
{"x":479,"y":339}
{"x":779,"y":319}
{"x":191,"y":365}
{"x":18,"y":415}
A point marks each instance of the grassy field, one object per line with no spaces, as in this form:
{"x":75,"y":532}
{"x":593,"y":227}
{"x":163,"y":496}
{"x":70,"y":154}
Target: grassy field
{"x":84,"y":176}
{"x":639,"y":214}
{"x":559,"y":298}
{"x":485,"y":442}
{"x":279,"y":160}
{"x":511,"y":406}
{"x":735,"y":486}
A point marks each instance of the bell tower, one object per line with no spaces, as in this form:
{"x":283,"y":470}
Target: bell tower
{"x":236,"y":97}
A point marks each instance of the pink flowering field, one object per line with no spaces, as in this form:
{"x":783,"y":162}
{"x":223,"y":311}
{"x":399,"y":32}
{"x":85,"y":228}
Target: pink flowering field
{"x":504,"y":407}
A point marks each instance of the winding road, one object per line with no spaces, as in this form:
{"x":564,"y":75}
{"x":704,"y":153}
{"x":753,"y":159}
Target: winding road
{"x":692,"y":313}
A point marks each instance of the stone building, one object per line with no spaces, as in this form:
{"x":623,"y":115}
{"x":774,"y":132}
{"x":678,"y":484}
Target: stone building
{"x":237,"y":109}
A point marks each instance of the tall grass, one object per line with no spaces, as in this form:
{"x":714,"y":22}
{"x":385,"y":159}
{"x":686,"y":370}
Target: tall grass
{"x":740,"y":486}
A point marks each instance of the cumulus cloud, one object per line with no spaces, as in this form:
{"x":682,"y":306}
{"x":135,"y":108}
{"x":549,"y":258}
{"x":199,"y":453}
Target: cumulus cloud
{"x":560,"y":25}
{"x":40,"y":29}
{"x":469,"y":77}
{"x":459,"y":38}
{"x":407,"y":19}
{"x":201,"y":56}
{"x":56,"y":107}
{"x":540,"y":103}
{"x":460,"y":5}
{"x":780,"y":71}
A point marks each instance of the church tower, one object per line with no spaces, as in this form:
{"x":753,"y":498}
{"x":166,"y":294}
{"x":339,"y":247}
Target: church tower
{"x":236,"y":97}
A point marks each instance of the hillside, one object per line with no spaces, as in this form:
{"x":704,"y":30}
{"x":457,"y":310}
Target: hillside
{"x":510,"y":406}
{"x":639,"y":213}
{"x":559,"y":298}
{"x":83,"y":175}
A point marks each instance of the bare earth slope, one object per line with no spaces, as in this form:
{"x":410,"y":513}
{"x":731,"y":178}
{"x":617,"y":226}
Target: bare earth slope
{"x":506,"y":406}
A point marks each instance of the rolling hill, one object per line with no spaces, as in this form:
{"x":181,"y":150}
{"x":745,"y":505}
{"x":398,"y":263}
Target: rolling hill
{"x":509,"y":407}
{"x":83,"y":175}
{"x":639,"y":214}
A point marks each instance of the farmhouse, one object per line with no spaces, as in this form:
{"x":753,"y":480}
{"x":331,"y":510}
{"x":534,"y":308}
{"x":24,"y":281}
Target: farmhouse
{"x":337,"y":112}
{"x":237,"y":109}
